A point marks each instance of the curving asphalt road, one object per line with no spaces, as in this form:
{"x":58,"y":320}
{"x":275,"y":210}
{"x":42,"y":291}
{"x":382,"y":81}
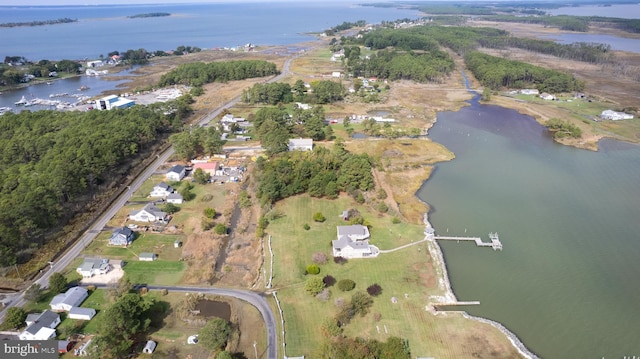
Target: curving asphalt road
{"x":61,"y":263}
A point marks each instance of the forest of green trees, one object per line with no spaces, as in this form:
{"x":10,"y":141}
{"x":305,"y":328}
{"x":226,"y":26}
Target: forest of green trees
{"x":322,"y":92}
{"x":51,"y":161}
{"x":496,"y":73}
{"x":321,"y":173}
{"x":200,"y":73}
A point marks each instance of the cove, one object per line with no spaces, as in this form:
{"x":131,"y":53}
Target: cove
{"x":566,"y":281}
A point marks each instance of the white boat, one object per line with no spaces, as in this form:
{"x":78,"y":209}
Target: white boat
{"x":4,"y":110}
{"x":23,"y":101}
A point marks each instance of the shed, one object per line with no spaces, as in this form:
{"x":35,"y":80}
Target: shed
{"x":149,"y":347}
{"x":64,"y":346}
{"x":177,"y":243}
{"x":81,"y":313}
{"x":148,"y":257}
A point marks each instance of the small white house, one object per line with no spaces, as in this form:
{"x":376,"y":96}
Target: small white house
{"x":71,"y":298}
{"x":336,"y":74}
{"x":80,"y":313}
{"x":40,"y":326}
{"x":529,"y":92}
{"x":300,"y":144}
{"x":175,"y":198}
{"x":147,"y":257}
{"x":161,"y":190}
{"x":149,"y":347}
{"x":148,"y":213}
{"x":176,"y":173}
{"x":547,"y":96}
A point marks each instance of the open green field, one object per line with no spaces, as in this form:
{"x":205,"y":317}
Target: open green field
{"x":157,"y":272}
{"x":407,"y":275}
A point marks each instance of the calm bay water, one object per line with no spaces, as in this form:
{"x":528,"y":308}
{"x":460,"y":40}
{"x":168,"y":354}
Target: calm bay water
{"x":617,"y":43}
{"x":627,"y":11}
{"x":566,"y":281}
{"x":101,"y":29}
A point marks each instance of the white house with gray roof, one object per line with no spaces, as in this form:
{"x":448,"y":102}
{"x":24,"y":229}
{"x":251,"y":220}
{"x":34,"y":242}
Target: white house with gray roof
{"x":148,"y":213}
{"x":353,"y":242}
{"x":71,"y":298}
{"x":80,"y":313}
{"x":40,"y":326}
{"x":161,"y":190}
{"x":122,"y":236}
{"x":176,"y":173}
{"x":93,"y":266}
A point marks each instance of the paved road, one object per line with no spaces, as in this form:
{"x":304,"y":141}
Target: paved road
{"x":71,"y":254}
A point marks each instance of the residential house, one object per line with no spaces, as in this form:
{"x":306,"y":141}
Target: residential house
{"x":149,"y":347}
{"x":122,"y":236}
{"x":336,"y":74}
{"x":161,"y":190}
{"x":71,"y":298}
{"x":176,"y":173}
{"x":547,"y":96}
{"x":93,"y":266}
{"x":208,"y":167}
{"x":147,"y":257}
{"x":81,"y":313}
{"x":303,"y":106}
{"x":175,"y":198}
{"x":40,"y":326}
{"x":148,"y":213}
{"x":615,"y":116}
{"x":353,"y":242}
{"x":300,"y":144}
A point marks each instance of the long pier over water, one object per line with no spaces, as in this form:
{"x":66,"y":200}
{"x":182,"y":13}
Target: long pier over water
{"x":495,"y":240}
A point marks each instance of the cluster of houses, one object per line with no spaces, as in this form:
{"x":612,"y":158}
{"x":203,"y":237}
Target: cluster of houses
{"x":41,"y":326}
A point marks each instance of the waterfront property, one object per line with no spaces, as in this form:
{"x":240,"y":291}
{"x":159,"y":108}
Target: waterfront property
{"x":113,"y":102}
{"x":353,"y":242}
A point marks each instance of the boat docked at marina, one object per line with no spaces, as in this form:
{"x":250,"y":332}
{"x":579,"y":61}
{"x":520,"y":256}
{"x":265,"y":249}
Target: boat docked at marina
{"x":22,"y":101}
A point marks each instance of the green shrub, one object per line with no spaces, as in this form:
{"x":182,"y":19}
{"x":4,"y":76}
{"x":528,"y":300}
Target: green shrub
{"x":319,"y":217}
{"x":220,"y":229}
{"x":346,"y":285}
{"x":382,"y":207}
{"x":210,"y":212}
{"x":395,"y":220}
{"x":306,"y":227}
{"x":206,"y":198}
{"x":313,"y":269}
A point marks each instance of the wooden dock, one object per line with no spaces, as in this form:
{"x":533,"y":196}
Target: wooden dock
{"x":495,"y":240}
{"x":453,"y":304}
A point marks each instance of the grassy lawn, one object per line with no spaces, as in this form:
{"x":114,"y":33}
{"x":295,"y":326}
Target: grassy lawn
{"x":156,"y":272}
{"x":160,"y":244}
{"x":407,"y":274}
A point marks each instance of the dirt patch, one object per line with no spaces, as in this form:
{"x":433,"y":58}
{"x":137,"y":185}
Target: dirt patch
{"x":113,"y":276}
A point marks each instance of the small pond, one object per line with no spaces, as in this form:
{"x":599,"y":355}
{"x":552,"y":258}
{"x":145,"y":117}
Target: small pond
{"x":212,"y":308}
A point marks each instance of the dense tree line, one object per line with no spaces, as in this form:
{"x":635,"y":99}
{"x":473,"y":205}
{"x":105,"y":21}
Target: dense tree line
{"x":274,"y":126}
{"x":495,"y":72}
{"x":321,"y":173}
{"x":50,"y":159}
{"x":579,"y":51}
{"x":268,"y":93}
{"x":345,"y":26}
{"x":38,"y":23}
{"x":564,"y":22}
{"x":200,"y":73}
{"x":197,"y":142}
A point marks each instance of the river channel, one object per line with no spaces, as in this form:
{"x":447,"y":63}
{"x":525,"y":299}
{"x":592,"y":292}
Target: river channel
{"x":566,"y":281}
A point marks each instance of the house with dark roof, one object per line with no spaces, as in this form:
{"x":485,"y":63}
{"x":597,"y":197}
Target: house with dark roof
{"x":71,"y":298}
{"x":40,"y":326}
{"x":161,"y":190}
{"x":93,"y":266}
{"x":176,"y":173}
{"x":148,"y":213}
{"x":122,"y":237}
{"x":353,"y":242}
